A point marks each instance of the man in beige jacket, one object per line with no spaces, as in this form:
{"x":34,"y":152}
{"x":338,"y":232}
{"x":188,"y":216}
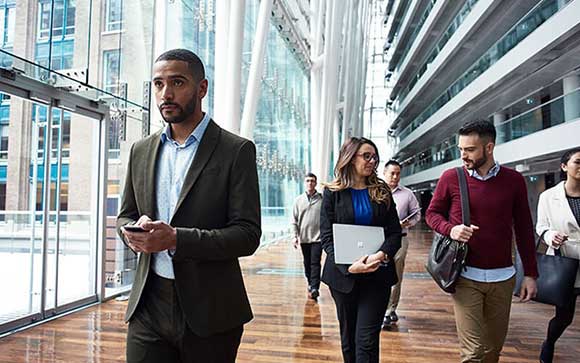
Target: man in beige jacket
{"x":306,"y":223}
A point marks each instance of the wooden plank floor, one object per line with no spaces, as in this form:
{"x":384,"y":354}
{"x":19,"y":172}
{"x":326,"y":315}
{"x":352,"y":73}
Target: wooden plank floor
{"x":290,"y":328}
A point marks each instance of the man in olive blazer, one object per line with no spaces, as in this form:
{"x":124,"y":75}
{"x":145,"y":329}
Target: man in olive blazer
{"x":196,"y":312}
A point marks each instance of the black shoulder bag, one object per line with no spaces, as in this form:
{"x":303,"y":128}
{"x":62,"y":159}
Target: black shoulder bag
{"x":556,"y":280}
{"x":447,"y":256}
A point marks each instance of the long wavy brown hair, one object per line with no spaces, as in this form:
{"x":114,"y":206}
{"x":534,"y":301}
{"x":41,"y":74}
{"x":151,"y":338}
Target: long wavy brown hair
{"x":344,"y":172}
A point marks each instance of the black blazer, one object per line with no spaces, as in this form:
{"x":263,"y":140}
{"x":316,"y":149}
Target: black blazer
{"x":337,"y":208}
{"x":217,"y":218}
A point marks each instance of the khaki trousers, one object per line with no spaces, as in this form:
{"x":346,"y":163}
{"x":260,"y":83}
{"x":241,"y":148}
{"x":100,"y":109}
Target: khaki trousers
{"x":482,"y":312}
{"x":400,"y":257}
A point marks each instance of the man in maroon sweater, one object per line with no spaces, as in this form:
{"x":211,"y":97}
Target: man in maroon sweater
{"x":497,"y":201}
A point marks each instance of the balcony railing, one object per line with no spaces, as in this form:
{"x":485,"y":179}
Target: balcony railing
{"x":413,"y":35}
{"x":530,"y":22}
{"x":563,"y":109}
{"x":453,"y":26}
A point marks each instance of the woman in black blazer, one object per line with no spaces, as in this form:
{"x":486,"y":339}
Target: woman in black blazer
{"x":361,"y":290}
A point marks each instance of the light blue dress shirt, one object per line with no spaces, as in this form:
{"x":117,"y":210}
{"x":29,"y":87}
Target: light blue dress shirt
{"x":493,"y":274}
{"x":173,"y":164}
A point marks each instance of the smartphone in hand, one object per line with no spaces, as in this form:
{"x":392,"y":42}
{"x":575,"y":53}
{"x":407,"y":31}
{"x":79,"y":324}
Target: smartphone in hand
{"x":133,"y":228}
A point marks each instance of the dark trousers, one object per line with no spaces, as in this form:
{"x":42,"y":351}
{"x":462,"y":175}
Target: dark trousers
{"x":312,"y":253}
{"x":158,"y":331}
{"x":360,"y":315}
{"x":563,"y":319}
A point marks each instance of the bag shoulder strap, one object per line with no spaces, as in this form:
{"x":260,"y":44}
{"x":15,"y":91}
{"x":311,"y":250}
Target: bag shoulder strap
{"x":557,"y":251}
{"x":465,"y":213}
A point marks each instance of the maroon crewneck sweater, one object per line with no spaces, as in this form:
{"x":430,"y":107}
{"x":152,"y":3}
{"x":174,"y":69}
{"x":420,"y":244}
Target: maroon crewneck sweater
{"x":496,"y":205}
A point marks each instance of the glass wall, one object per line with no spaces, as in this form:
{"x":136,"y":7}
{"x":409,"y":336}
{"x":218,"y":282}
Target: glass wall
{"x":103,"y":50}
{"x":282,"y":128}
{"x":48,"y":215}
{"x":92,"y":48}
{"x":190,"y":24}
{"x":21,"y":222}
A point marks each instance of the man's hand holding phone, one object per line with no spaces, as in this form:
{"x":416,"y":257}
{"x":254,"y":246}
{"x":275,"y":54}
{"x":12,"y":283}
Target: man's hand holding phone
{"x":150,"y":236}
{"x":132,"y":232}
{"x":134,"y":229}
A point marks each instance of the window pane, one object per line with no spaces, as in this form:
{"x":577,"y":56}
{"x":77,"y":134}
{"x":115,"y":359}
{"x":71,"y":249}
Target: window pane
{"x":114,"y":14}
{"x":70,"y":18}
{"x":20,"y":225}
{"x":9,"y":30}
{"x":57,"y":17}
{"x":111,"y":69}
{"x":44,"y":20}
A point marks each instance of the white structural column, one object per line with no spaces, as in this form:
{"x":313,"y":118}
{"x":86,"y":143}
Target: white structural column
{"x":333,"y":37}
{"x":351,"y":58}
{"x":324,"y":142}
{"x":337,"y":77}
{"x":234,"y":67}
{"x":160,"y":24}
{"x":498,"y":119}
{"x":571,"y":102}
{"x":358,"y":110}
{"x":318,"y":9}
{"x":256,"y":70}
{"x":358,"y":75}
{"x":222,"y":26}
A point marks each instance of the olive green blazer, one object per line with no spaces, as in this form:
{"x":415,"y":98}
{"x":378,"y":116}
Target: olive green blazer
{"x":217,"y":218}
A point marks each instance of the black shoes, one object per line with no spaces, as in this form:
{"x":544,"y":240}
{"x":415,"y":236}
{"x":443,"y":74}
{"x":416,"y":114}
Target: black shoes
{"x":547,"y":353}
{"x":390,"y":319}
{"x":313,"y":293}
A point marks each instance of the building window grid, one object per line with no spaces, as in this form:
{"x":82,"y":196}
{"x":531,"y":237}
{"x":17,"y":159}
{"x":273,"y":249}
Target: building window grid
{"x":7,"y":23}
{"x":63,"y":12}
{"x":56,"y":128}
{"x":61,"y":56}
{"x":114,"y":19}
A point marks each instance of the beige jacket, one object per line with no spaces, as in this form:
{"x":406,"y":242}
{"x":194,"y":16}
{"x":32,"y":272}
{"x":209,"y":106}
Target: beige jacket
{"x":306,"y":218}
{"x":555,"y":215}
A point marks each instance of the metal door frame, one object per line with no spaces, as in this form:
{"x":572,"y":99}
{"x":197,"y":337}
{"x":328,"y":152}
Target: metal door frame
{"x":15,"y":84}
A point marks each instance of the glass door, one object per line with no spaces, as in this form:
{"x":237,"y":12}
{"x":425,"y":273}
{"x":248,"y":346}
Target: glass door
{"x":50,"y":207}
{"x":21,"y":223}
{"x":72,"y":210}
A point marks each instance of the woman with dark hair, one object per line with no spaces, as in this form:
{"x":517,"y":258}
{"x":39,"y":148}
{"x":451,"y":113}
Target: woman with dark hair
{"x":360,"y":290}
{"x":558,"y":222}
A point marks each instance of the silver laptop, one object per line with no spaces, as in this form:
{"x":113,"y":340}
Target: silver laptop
{"x":351,"y":242}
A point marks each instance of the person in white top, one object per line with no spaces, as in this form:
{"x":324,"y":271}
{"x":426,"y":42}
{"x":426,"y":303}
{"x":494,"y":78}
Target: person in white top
{"x":559,"y":223}
{"x":409,"y":212}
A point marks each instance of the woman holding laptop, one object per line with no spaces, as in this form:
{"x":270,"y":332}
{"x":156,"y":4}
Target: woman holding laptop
{"x":360,"y":290}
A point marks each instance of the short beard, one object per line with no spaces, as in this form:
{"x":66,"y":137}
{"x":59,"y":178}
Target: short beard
{"x":479,"y":162}
{"x":183,"y":115}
